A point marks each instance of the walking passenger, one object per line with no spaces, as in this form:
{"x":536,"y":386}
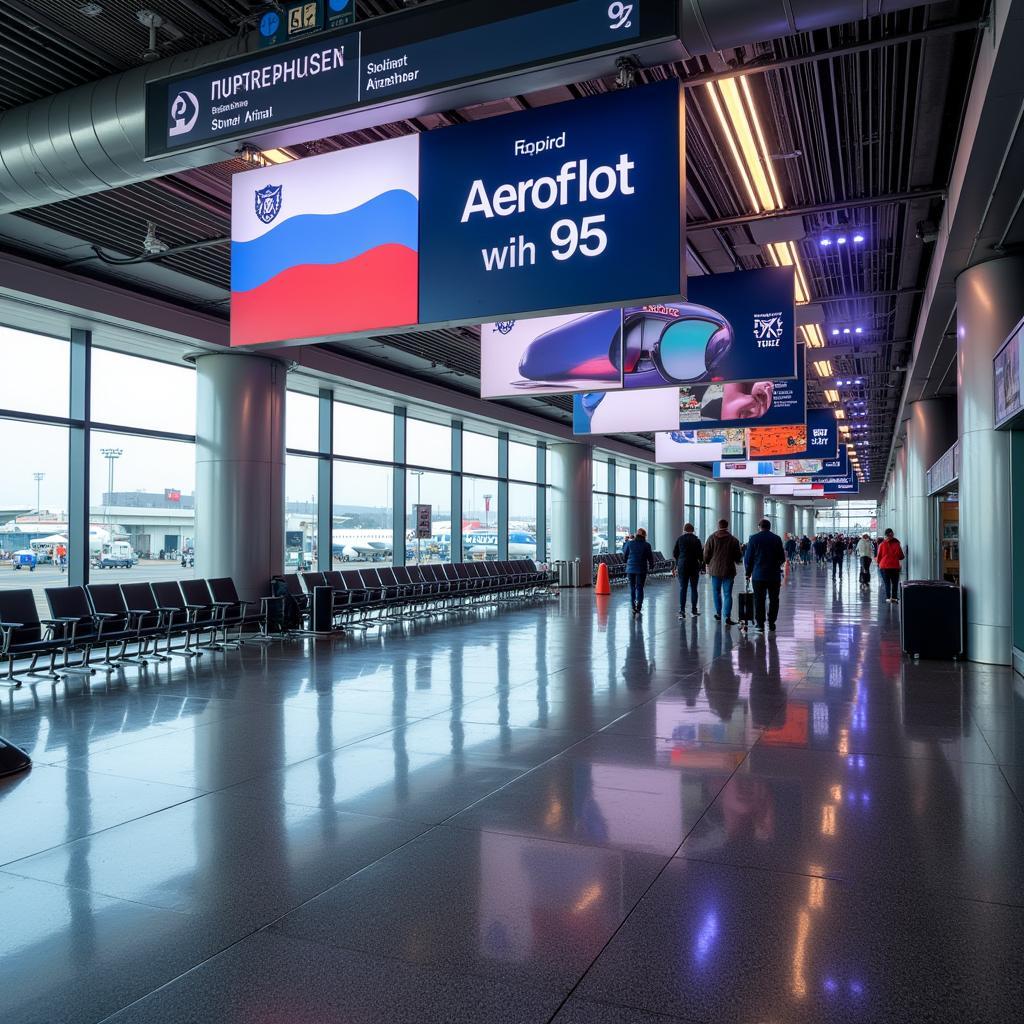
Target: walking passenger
{"x":838,"y":556}
{"x":763,"y":561}
{"x":688,"y":555}
{"x":639,"y":561}
{"x":890,"y":554}
{"x":790,"y":546}
{"x":722,"y":553}
{"x":805,"y":549}
{"x":820,"y":547}
{"x":866,"y":554}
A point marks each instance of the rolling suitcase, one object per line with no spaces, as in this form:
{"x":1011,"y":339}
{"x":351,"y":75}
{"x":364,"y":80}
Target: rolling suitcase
{"x":746,"y":608}
{"x":931,"y":619}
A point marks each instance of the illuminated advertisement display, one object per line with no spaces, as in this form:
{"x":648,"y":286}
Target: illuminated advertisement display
{"x":566,"y":207}
{"x":850,"y":485}
{"x":1008,"y":378}
{"x":802,"y":467}
{"x":776,"y":442}
{"x":822,"y":435}
{"x":767,"y":402}
{"x":700,"y":445}
{"x":742,"y":470}
{"x":539,"y":356}
{"x":617,"y":412}
{"x":837,"y":467}
{"x":310,"y":259}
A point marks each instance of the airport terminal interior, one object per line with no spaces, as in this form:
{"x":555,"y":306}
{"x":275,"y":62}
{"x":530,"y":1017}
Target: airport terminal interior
{"x":509,"y":511}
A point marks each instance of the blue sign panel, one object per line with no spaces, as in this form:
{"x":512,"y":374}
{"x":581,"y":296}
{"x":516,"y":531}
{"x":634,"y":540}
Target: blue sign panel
{"x":762,"y":403}
{"x":572,"y":206}
{"x":851,"y":485}
{"x":758,"y":305}
{"x":837,"y":467}
{"x":822,"y":436}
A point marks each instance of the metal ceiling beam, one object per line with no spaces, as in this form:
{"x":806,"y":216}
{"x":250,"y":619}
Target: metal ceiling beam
{"x":864,"y":203}
{"x":759,"y":67}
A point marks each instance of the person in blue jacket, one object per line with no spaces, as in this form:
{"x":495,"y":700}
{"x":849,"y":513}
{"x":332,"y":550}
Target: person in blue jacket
{"x":639,"y":561}
{"x":764,"y":561}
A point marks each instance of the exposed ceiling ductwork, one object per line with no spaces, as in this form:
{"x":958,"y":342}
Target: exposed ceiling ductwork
{"x":92,"y":138}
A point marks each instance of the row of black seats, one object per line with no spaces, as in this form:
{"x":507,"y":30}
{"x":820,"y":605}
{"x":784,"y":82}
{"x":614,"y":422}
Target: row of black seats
{"x":366,"y":597}
{"x":109,"y":618}
{"x":616,"y":563}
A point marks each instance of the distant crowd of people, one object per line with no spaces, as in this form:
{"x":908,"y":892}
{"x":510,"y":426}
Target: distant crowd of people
{"x":765,"y":558}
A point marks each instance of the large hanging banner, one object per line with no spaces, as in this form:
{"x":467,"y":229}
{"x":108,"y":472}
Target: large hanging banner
{"x":571,"y":206}
{"x":837,"y":467}
{"x":624,"y":412}
{"x":776,"y":442}
{"x":767,"y":402}
{"x":747,"y":337}
{"x":678,"y":446}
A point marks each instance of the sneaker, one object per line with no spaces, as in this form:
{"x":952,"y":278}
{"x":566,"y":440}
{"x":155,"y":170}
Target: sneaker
{"x":771,"y":627}
{"x":760,"y":627}
{"x":718,"y":618}
{"x":695,"y":613}
{"x":681,"y":615}
{"x":730,"y":622}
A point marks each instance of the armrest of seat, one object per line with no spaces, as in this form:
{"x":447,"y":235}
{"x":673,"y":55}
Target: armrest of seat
{"x":65,"y":621}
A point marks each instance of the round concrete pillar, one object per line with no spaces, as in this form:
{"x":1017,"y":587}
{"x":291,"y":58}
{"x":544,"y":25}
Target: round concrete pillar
{"x":240,"y":461}
{"x":668,"y":508}
{"x":989,"y":302}
{"x":931,"y":430}
{"x":753,"y":510}
{"x":788,"y":523}
{"x":572,"y":507}
{"x":720,"y":502}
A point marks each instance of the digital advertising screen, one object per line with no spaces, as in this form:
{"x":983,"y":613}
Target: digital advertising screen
{"x":754,"y":403}
{"x":745,"y":469}
{"x":561,"y":208}
{"x":802,"y":467}
{"x":700,"y":445}
{"x":776,"y":442}
{"x":837,"y":467}
{"x":629,"y":412}
{"x":550,"y":355}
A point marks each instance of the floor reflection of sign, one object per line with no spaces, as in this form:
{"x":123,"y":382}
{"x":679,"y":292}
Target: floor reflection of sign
{"x":423,"y":526}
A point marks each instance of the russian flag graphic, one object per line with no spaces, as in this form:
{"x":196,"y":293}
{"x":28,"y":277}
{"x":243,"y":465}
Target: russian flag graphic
{"x":326,"y":245}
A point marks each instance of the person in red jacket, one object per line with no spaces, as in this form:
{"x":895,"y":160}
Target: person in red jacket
{"x":889,"y":556}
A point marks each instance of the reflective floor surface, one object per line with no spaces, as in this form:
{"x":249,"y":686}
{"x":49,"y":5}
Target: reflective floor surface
{"x":551,"y":813}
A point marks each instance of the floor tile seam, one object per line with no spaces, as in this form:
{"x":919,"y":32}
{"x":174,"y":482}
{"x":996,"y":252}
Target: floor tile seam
{"x":857,"y":885}
{"x":89,"y":835}
{"x":1019,"y":797}
{"x":883,"y":755}
{"x":183,"y":914}
{"x":642,"y":896}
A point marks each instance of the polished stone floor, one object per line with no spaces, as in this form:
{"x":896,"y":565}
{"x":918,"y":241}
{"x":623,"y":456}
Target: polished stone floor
{"x":554,"y":812}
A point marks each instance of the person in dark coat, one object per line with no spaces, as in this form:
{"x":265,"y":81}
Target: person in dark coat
{"x":688,"y":554}
{"x":764,"y":561}
{"x":722,"y":553}
{"x":639,"y":561}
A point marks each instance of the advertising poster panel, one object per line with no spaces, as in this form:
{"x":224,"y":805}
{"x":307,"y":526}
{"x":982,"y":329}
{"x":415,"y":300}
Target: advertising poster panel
{"x":837,"y":467}
{"x":754,"y":403}
{"x":624,"y":412}
{"x":776,"y":442}
{"x":566,"y":207}
{"x":699,"y":445}
{"x":541,"y":355}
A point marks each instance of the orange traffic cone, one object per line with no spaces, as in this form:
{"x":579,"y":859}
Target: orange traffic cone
{"x":603,"y":585}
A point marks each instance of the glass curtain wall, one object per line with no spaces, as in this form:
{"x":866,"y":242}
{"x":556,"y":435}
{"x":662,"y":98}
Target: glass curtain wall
{"x":139,"y":507}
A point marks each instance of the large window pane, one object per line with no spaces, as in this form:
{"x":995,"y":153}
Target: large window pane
{"x":34,"y":497}
{"x":133,"y":392}
{"x":363,"y":519}
{"x":435,"y":490}
{"x":302,"y":421}
{"x":522,"y":461}
{"x":363,"y":433}
{"x":428,"y":444}
{"x":142,"y":503}
{"x":522,"y":521}
{"x":301,"y":485}
{"x":37,"y":372}
{"x":600,"y":523}
{"x":480,"y":518}
{"x":479,"y":454}
{"x":622,"y":479}
{"x":600,"y":473}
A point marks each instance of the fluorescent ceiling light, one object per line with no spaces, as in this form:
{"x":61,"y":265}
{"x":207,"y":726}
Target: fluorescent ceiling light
{"x":823,"y":368}
{"x":813,"y":336}
{"x":277,"y":156}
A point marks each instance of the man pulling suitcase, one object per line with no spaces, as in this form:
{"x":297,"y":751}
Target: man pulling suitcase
{"x":764,"y":561}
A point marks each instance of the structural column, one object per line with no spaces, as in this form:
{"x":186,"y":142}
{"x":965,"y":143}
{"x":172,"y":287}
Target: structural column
{"x":753,"y":510}
{"x":240,"y":464}
{"x":931,"y":430}
{"x":788,"y":524}
{"x":572,"y":506}
{"x":900,"y":510}
{"x":720,"y":502}
{"x":989,"y":302}
{"x":668,"y":508}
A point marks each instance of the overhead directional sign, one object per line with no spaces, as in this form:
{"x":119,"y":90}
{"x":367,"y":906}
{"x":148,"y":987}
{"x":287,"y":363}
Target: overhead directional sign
{"x":430,"y":52}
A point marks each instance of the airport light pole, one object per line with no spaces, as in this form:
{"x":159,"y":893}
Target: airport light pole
{"x":418,"y":473}
{"x":38,"y":477}
{"x":111,"y":455}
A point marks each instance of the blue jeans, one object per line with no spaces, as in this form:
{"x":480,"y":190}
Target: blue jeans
{"x":636,"y":588}
{"x":721,"y":588}
{"x":688,"y":582}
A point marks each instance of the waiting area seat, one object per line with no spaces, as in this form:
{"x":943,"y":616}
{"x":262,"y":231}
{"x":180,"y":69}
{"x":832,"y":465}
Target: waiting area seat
{"x":616,"y":563}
